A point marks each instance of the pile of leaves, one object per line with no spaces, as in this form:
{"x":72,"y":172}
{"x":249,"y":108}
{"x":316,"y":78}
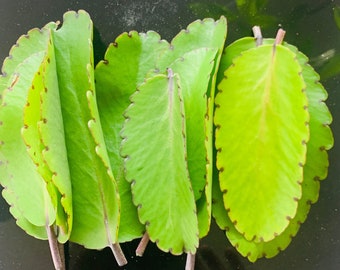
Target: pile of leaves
{"x":107,"y":154}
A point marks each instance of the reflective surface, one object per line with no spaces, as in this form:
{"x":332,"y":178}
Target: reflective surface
{"x":311,"y":25}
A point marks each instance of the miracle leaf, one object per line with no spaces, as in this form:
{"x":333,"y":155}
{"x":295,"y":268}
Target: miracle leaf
{"x":261,"y":147}
{"x":156,"y":167}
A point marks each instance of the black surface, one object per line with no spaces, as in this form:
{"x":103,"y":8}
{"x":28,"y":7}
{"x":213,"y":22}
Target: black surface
{"x":310,"y":25}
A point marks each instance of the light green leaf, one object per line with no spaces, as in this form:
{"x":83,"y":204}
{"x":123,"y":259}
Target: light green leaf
{"x":262,"y":146}
{"x":126,"y":64}
{"x":231,"y":52}
{"x":54,"y":154}
{"x":314,"y":169}
{"x":206,"y":33}
{"x":95,"y":198}
{"x":25,"y":190}
{"x":195,"y":68}
{"x":198,"y":35}
{"x":33,"y":42}
{"x":44,"y":136}
{"x":154,"y":147}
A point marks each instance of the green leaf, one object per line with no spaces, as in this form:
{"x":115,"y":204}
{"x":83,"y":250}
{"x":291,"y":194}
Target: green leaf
{"x":29,"y":44}
{"x":231,"y":52}
{"x":43,"y":134}
{"x":199,"y":35}
{"x":257,"y":168}
{"x":95,"y":196}
{"x":314,"y":169}
{"x":25,"y":190}
{"x":195,"y":69}
{"x":206,"y":33}
{"x":127,"y":61}
{"x":54,"y":154}
{"x":154,"y":147}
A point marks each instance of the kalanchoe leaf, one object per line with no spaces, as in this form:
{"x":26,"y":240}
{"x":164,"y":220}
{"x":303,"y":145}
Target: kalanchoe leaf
{"x":316,"y":160}
{"x":199,"y":35}
{"x":262,"y":146}
{"x":25,"y":190}
{"x":206,"y":33}
{"x":195,"y":69}
{"x":55,"y":127}
{"x":52,"y":137}
{"x":29,"y":44}
{"x":157,"y":170}
{"x":127,"y":61}
{"x":95,"y":197}
{"x":43,"y":134}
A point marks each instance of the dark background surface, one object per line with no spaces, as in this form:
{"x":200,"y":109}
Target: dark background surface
{"x":310,"y":25}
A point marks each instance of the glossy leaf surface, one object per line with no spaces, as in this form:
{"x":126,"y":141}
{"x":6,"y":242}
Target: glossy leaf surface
{"x":207,"y":33}
{"x":154,"y":147}
{"x":199,"y":35}
{"x":262,"y":148}
{"x":195,"y":69}
{"x":25,"y":190}
{"x":95,"y":197}
{"x":127,"y":61}
{"x":314,"y":169}
{"x":43,"y":134}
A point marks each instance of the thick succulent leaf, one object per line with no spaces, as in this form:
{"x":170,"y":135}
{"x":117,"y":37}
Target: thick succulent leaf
{"x":320,"y":117}
{"x":38,"y":232}
{"x":126,"y":64}
{"x":154,"y":147}
{"x":321,"y":138}
{"x":24,"y":189}
{"x":263,"y":116}
{"x":95,"y":204}
{"x":206,"y":33}
{"x":44,"y":136}
{"x":54,"y":152}
{"x":34,"y":41}
{"x":207,"y":197}
{"x":195,"y":68}
{"x":314,"y":169}
{"x":200,"y":34}
{"x":231,"y":52}
{"x":204,"y":213}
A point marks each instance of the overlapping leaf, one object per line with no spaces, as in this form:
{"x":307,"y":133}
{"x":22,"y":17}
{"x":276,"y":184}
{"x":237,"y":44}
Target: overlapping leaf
{"x":95,"y":197}
{"x":206,"y":33}
{"x":263,"y":116}
{"x":43,"y":134}
{"x":314,"y":169}
{"x":195,"y":69}
{"x":198,"y":35}
{"x":127,"y":61}
{"x":269,"y":169}
{"x":25,"y":190}
{"x":154,"y":147}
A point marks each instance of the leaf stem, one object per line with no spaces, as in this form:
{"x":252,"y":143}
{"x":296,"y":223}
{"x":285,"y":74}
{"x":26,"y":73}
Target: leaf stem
{"x":280,"y":36}
{"x":118,"y":253}
{"x":142,"y":245}
{"x":57,"y":250}
{"x":258,"y":35}
{"x":190,"y":263}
